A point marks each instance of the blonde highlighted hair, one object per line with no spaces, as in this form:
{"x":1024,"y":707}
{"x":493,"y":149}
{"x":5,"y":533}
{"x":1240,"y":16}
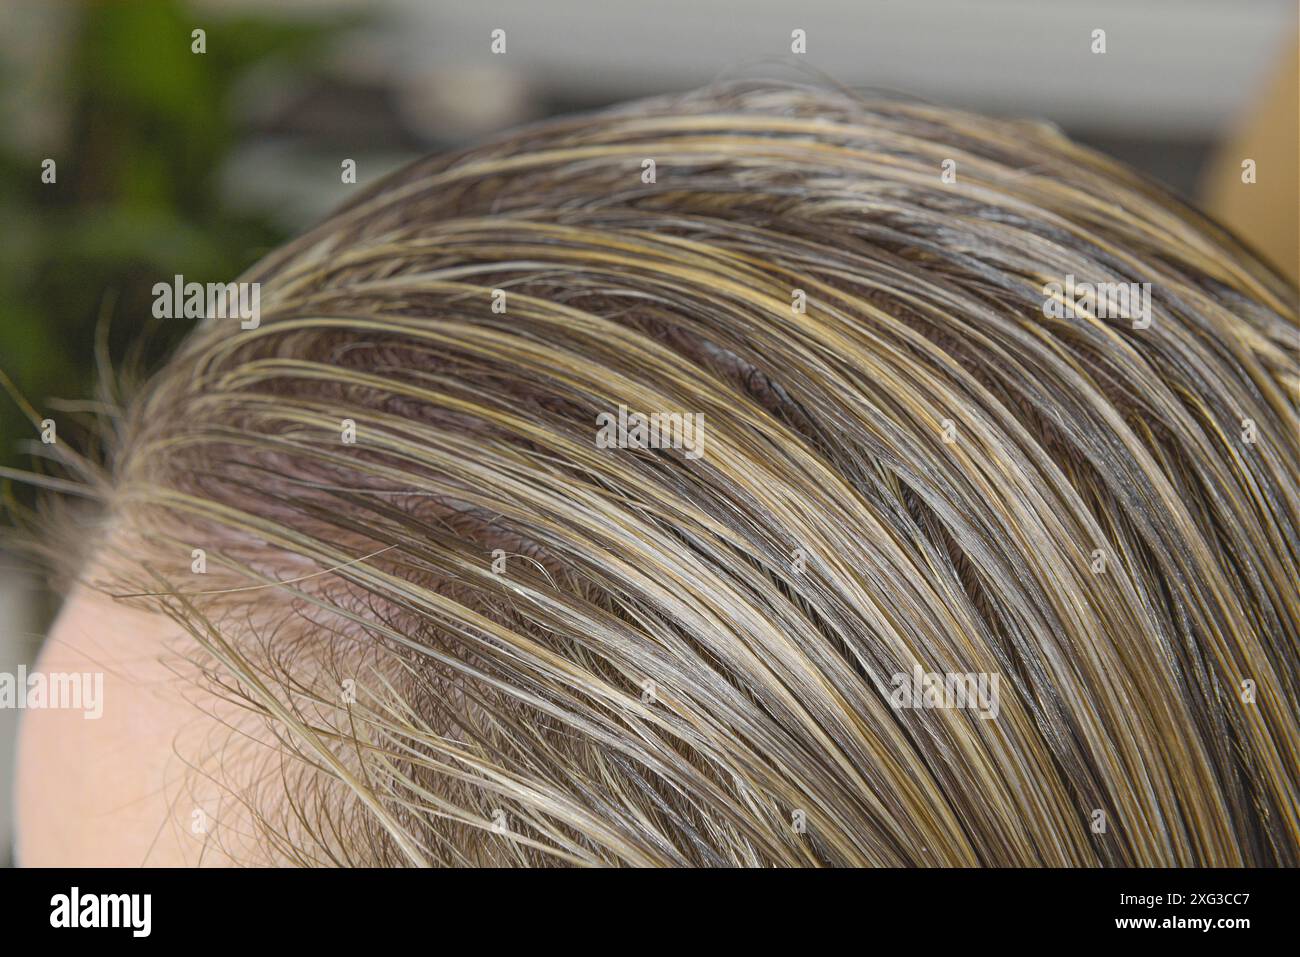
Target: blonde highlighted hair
{"x":476,"y":636}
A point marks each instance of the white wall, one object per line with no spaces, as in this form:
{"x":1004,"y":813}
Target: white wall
{"x":1172,"y":67}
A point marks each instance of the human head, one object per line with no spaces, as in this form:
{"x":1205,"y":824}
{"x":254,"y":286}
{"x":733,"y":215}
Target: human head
{"x":438,"y":620}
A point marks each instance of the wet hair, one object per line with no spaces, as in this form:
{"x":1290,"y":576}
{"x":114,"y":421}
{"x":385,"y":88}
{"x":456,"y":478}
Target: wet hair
{"x":857,"y":483}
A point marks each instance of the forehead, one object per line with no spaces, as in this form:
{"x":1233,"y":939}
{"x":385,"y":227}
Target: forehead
{"x":111,"y":790}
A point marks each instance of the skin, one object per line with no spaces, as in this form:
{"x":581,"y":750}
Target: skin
{"x":113,"y":791}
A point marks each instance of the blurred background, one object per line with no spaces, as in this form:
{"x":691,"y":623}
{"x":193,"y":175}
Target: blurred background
{"x":170,"y":161}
